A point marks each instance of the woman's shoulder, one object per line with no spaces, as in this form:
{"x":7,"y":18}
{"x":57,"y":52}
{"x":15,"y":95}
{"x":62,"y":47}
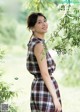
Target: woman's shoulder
{"x":34,"y":41}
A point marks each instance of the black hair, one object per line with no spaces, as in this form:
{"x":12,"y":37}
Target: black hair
{"x":32,"y":19}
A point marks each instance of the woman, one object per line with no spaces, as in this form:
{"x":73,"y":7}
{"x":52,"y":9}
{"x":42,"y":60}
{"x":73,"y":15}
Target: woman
{"x":45,"y":96}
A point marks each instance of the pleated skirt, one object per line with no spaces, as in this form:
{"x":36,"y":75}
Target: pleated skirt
{"x":41,"y":99}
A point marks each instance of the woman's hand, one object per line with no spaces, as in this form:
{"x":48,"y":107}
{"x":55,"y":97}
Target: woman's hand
{"x":57,"y":104}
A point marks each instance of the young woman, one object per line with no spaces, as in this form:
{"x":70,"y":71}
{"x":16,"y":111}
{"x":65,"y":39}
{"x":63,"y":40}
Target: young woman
{"x":45,"y":96}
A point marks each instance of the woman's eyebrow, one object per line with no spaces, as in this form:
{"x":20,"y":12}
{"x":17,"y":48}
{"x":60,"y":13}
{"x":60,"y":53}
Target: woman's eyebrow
{"x":41,"y":20}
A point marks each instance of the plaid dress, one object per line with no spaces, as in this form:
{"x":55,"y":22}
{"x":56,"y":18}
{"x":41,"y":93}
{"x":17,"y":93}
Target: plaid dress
{"x":41,"y":99}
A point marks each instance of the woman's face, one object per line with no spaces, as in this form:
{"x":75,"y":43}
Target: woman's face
{"x":41,"y":25}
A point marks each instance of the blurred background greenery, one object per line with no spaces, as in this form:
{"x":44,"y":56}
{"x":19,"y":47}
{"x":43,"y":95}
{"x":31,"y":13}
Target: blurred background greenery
{"x":63,"y":37}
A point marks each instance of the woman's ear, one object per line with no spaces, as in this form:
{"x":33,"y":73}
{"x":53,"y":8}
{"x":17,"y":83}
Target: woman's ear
{"x":33,"y":29}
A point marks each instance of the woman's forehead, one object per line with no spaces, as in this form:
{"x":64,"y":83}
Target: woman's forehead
{"x":40,"y":18}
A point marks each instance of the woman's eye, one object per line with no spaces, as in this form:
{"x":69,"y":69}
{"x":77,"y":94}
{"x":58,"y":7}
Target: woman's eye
{"x":44,"y":20}
{"x":39,"y":22}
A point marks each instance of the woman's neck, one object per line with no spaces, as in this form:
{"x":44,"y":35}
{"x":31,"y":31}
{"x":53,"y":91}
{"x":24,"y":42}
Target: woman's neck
{"x":38,"y":35}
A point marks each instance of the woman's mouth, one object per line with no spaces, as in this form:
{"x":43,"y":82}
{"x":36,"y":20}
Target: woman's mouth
{"x":44,"y":28}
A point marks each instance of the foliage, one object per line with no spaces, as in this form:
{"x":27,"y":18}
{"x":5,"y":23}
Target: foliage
{"x":67,"y":33}
{"x":70,"y":66}
{"x":5,"y":92}
{"x":7,"y":28}
{"x":35,"y":5}
{"x":41,"y":5}
{"x":66,"y":41}
{"x":2,"y":53}
{"x":12,"y":108}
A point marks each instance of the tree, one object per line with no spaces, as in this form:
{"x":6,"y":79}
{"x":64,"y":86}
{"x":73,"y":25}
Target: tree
{"x":5,"y":92}
{"x":67,"y":34}
{"x":7,"y":27}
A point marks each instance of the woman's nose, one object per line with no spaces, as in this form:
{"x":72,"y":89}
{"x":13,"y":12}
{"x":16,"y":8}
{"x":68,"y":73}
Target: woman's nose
{"x":44,"y":23}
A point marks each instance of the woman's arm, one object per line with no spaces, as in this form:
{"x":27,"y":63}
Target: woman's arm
{"x":42,"y":62}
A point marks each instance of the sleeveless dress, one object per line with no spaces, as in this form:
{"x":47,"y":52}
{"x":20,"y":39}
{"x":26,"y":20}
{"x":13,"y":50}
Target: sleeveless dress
{"x":41,"y":99}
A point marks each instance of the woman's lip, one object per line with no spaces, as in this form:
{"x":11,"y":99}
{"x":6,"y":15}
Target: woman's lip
{"x":44,"y":28}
